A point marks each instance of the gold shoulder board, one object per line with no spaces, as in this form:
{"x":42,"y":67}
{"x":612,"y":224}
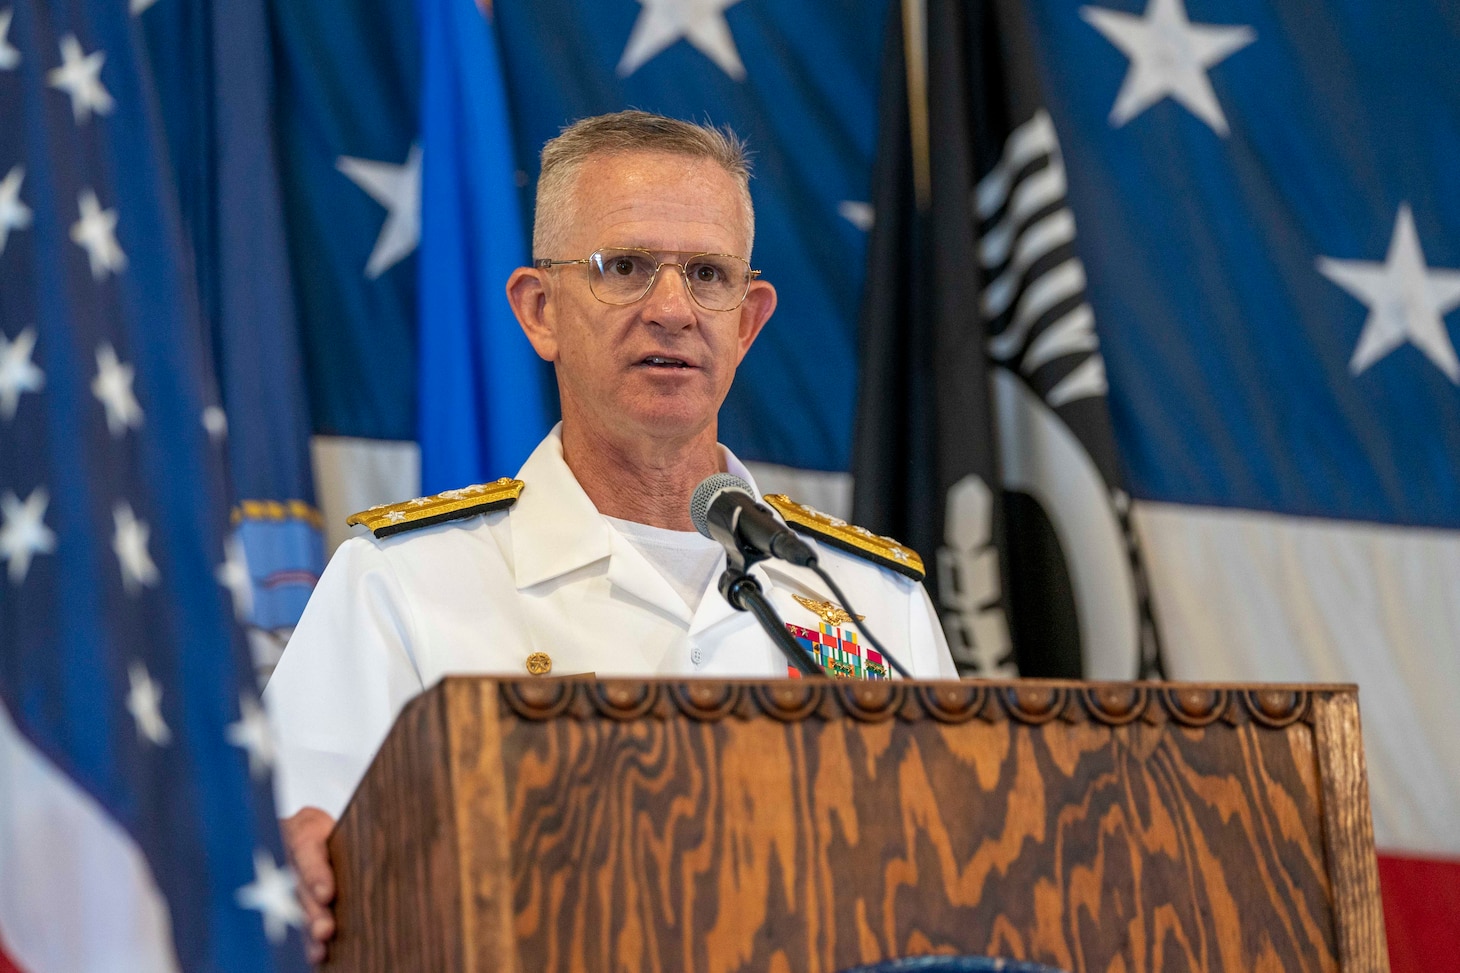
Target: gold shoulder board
{"x":848,"y":537}
{"x":395,"y":518}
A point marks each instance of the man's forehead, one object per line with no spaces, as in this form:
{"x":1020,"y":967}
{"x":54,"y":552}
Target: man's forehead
{"x":658,"y":201}
{"x":631,"y":168}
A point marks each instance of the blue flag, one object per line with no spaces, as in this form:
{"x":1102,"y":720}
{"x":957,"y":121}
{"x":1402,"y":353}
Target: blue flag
{"x":138,"y":824}
{"x":348,"y":85}
{"x":483,"y":393}
{"x":1239,"y":210}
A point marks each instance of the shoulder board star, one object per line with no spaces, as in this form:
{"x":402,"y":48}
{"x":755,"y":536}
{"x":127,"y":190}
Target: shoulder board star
{"x":396,"y":518}
{"x":848,"y":537}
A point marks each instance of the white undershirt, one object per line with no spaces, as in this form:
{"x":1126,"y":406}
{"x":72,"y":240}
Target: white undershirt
{"x":686,"y":558}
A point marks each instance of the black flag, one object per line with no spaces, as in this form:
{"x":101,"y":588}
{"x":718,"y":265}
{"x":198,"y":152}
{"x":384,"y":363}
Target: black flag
{"x":983,"y":435}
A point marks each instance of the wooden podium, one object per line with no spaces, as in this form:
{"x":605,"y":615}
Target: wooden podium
{"x":805,"y":826}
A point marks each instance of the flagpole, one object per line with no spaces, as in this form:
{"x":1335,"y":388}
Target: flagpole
{"x":915,"y":55}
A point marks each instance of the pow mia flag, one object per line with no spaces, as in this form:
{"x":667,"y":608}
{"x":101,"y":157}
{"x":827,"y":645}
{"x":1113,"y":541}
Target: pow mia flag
{"x":983,"y":435}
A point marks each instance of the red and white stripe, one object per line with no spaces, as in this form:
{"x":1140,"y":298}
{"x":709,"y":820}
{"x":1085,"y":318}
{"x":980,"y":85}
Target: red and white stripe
{"x":76,"y":894}
{"x":1243,"y":596}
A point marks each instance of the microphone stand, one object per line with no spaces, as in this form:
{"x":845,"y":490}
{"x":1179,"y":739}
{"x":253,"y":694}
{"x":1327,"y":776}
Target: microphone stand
{"x":744,"y":593}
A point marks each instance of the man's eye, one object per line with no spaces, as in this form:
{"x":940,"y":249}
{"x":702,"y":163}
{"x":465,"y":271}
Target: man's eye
{"x":624,"y":266}
{"x":707,"y":273}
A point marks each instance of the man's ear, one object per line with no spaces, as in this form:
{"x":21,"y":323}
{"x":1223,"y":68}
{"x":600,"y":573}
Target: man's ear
{"x":527,"y":293}
{"x":759,"y":304}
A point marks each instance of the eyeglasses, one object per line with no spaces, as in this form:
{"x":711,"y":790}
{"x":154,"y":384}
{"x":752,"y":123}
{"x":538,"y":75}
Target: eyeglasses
{"x":620,"y":276}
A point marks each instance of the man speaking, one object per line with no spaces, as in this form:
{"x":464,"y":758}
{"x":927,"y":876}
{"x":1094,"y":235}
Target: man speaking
{"x":642,"y":295}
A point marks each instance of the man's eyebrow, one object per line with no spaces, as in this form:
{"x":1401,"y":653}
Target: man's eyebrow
{"x":678,"y":253}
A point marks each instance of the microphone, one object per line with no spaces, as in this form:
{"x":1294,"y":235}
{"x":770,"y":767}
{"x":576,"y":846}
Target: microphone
{"x":724,"y":508}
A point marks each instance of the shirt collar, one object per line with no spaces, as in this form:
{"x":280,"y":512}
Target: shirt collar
{"x":555,"y":527}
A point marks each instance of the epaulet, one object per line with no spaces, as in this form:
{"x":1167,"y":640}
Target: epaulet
{"x":395,"y":518}
{"x":848,"y":537}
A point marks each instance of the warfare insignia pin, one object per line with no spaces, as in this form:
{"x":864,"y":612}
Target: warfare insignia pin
{"x":825,"y":610}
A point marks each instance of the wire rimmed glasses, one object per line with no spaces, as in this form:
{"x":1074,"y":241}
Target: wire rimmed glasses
{"x":623,"y":275}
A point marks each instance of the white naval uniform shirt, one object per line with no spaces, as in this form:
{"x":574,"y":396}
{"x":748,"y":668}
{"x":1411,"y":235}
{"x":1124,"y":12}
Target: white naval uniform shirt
{"x":390,"y":617}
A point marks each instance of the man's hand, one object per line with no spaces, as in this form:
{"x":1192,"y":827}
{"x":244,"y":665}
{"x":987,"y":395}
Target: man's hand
{"x":305,"y":835}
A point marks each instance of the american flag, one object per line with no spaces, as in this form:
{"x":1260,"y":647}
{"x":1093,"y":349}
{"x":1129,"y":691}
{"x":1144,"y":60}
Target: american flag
{"x":137,"y":826}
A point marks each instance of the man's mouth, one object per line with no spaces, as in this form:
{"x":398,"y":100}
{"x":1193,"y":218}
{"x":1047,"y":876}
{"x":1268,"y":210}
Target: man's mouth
{"x":664,"y":361}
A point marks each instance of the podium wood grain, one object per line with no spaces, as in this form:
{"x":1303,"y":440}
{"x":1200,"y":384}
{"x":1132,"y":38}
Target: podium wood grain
{"x":578,"y":825}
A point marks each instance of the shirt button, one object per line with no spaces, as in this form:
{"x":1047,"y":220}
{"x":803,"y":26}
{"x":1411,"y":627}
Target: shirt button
{"x":696,"y":656}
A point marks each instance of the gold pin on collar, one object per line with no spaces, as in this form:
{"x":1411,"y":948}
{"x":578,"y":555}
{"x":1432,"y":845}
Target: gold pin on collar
{"x":826,"y":611}
{"x":539,"y":663}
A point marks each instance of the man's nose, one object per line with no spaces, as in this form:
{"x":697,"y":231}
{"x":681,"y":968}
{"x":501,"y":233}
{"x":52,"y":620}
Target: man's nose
{"x":668,"y":302}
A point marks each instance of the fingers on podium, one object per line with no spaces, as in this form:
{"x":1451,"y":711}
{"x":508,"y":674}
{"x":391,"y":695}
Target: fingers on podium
{"x":306,"y":834}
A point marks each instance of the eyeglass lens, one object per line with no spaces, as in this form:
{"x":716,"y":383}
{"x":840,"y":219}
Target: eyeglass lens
{"x":717,"y":282}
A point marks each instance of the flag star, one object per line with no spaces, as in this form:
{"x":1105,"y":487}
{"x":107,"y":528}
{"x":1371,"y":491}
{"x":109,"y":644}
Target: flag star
{"x":701,"y":22}
{"x":233,"y":575}
{"x":859,"y":214}
{"x":253,"y":734}
{"x":398,"y":189}
{"x":215,"y":421}
{"x":272,"y":894}
{"x":144,"y":702}
{"x":24,"y":533}
{"x":95,"y":232}
{"x":80,"y":77}
{"x":14,"y":215}
{"x":1169,"y":57}
{"x":17,"y":372}
{"x":1407,"y":300}
{"x":129,"y":542}
{"x":113,"y":389}
{"x":265,"y":648}
{"x":9,"y":56}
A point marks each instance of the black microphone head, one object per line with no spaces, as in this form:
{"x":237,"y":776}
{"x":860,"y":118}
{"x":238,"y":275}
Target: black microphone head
{"x":711,"y":487}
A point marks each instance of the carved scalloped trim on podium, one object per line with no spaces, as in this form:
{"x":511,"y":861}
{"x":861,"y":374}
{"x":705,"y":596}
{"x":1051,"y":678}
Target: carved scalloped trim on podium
{"x":1032,"y":702}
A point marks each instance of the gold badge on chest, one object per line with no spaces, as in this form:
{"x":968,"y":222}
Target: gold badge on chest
{"x":826,"y":611}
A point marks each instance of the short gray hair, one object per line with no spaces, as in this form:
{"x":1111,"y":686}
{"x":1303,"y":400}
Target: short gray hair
{"x":626,"y":132}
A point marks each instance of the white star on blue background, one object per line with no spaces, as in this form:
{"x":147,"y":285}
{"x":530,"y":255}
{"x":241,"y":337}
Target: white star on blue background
{"x":271,"y":893}
{"x":701,"y":22}
{"x":14,"y":215}
{"x":1407,"y":300}
{"x":24,"y":533}
{"x":1169,"y":58}
{"x":17,"y":372}
{"x":112,"y":387}
{"x":144,"y":702}
{"x":398,"y":189}
{"x":80,"y":77}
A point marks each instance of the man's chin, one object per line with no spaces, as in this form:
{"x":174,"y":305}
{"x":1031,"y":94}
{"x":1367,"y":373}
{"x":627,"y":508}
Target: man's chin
{"x":674,"y":425}
{"x":672,"y":417}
